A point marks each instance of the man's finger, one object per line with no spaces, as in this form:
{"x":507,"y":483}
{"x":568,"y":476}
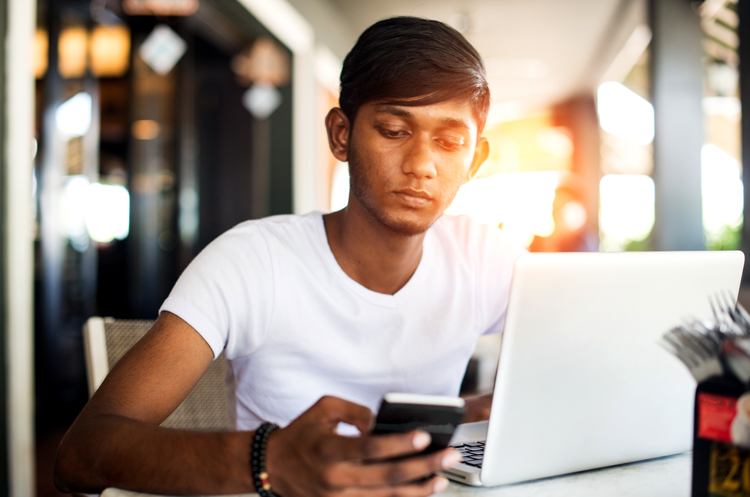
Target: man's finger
{"x":391,"y":473}
{"x":373,"y":447}
{"x":429,"y":487}
{"x":332,"y":410}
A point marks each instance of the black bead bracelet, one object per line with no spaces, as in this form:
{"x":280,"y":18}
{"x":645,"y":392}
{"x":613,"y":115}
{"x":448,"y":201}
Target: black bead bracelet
{"x":258,"y":459}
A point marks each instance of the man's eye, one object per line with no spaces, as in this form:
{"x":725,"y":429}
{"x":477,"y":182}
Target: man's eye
{"x":389,"y":133}
{"x":450,"y":144}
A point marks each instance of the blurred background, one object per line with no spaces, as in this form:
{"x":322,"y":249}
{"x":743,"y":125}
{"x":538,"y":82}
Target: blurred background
{"x":136,"y":131}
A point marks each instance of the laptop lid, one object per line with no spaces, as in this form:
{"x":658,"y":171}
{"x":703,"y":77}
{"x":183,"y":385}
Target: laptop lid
{"x":581,"y":381}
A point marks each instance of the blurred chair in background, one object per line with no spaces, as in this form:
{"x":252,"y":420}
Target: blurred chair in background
{"x":106,"y":340}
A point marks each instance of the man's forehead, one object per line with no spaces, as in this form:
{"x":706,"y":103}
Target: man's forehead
{"x":451,"y":113}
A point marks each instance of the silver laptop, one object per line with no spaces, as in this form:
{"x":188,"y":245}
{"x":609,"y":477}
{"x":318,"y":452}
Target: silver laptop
{"x":582,"y":382}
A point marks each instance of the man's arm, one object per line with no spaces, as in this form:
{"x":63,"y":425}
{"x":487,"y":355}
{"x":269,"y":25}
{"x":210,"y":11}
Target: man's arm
{"x":477,"y":408}
{"x":116,"y":440}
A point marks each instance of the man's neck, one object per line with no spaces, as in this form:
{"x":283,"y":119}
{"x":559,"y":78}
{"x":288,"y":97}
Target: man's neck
{"x":369,"y":253}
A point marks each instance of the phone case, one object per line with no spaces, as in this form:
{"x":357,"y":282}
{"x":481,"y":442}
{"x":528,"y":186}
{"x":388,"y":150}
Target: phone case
{"x":439,"y":421}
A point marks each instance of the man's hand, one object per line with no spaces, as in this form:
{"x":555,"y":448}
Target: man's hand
{"x":477,"y":409}
{"x":308,"y":458}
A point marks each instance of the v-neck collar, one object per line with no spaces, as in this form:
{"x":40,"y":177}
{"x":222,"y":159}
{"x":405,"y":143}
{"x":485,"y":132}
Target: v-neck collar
{"x":380,"y":299}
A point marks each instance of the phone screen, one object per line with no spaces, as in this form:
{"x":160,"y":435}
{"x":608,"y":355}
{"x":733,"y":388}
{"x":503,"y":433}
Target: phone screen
{"x":437,"y":415}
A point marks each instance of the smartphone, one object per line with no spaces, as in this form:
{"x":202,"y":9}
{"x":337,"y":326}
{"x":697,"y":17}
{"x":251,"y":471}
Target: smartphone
{"x":435,"y":414}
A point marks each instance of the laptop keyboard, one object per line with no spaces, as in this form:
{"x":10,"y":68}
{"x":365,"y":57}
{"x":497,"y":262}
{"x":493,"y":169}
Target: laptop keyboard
{"x":473,"y":453}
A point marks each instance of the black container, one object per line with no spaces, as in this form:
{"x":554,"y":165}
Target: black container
{"x":720,"y":469}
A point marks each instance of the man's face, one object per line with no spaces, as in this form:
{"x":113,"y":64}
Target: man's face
{"x":407,"y":163}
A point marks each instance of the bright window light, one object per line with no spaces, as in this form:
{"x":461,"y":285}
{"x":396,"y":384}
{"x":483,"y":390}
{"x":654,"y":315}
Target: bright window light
{"x":340,"y":186}
{"x":721,"y":185}
{"x":107,"y":213}
{"x":522,"y":202}
{"x":624,"y":113}
{"x":555,"y":141}
{"x":626,"y":208}
{"x":93,"y":211}
{"x":74,"y":116}
{"x":72,"y":210}
{"x":574,"y":215}
{"x":722,"y":106}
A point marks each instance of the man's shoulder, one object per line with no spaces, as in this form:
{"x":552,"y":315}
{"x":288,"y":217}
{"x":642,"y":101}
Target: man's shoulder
{"x":284,"y":227}
{"x":264,"y":236}
{"x":279,"y":223}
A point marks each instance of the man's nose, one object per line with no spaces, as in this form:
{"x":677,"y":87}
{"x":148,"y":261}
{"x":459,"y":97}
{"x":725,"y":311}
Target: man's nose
{"x":419,"y":160}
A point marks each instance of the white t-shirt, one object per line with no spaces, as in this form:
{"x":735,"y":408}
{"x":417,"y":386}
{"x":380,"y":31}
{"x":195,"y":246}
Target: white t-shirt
{"x":271,"y":296}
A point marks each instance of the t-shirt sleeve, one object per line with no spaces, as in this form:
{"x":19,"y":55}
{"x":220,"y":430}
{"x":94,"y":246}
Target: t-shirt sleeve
{"x":495,"y":257}
{"x":226,"y":293}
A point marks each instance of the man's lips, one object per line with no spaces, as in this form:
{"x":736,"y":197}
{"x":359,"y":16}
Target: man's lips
{"x":415,"y":198}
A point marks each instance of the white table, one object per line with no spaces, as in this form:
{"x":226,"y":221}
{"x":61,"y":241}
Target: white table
{"x":663,"y":477}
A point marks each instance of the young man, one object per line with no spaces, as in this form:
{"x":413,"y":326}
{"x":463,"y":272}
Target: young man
{"x":321,"y":315}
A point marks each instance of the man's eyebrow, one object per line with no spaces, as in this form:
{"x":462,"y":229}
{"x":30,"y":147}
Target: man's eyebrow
{"x":401,"y":112}
{"x":392,"y":109}
{"x":455,"y":123}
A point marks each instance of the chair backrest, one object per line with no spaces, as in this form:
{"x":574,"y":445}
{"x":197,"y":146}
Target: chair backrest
{"x":106,"y":340}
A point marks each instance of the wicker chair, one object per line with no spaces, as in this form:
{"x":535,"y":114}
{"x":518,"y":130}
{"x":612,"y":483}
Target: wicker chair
{"x":205,"y":408}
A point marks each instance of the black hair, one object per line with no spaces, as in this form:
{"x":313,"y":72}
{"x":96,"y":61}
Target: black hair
{"x":412,"y":62}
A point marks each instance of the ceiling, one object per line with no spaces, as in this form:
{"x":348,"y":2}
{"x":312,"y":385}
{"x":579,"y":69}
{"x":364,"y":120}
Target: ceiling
{"x":537,"y":52}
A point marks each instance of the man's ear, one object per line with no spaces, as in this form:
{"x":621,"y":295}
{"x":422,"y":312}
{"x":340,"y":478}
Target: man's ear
{"x":337,"y":126}
{"x":480,"y":155}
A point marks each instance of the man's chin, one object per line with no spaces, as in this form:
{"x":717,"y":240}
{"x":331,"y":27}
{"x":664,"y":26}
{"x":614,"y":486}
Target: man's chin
{"x":397,"y":219}
{"x":406,"y":227}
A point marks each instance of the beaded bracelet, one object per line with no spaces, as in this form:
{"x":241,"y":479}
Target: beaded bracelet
{"x":258,"y":460}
